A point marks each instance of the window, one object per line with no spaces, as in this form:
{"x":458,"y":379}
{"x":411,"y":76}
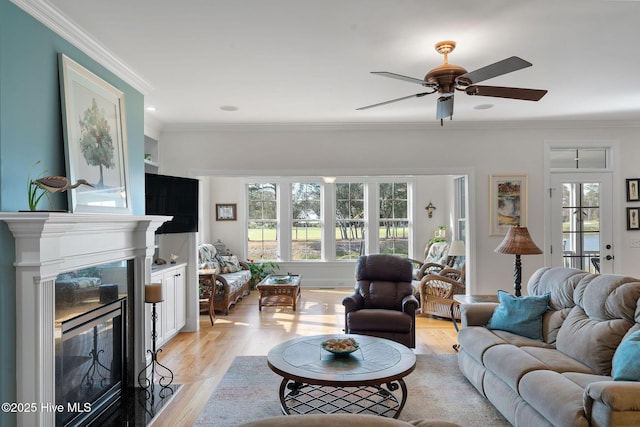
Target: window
{"x":350,"y":222}
{"x":578,"y":158}
{"x":306,"y":230}
{"x":393,"y":233}
{"x":307,"y":220}
{"x":460,"y":212}
{"x":581,"y":225}
{"x":262,"y":224}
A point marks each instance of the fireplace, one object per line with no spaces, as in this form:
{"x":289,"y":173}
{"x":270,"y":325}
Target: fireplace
{"x":91,"y":340}
{"x":87,"y":318}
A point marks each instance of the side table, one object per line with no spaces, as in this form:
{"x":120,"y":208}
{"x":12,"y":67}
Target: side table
{"x":207,"y":278}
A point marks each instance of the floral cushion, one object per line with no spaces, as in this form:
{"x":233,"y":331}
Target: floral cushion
{"x":230,"y":264}
{"x":438,"y":253}
{"x":206,"y":257}
{"x":238,"y":279}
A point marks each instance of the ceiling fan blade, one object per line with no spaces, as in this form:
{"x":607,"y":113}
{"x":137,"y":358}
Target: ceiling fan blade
{"x":507,"y":92}
{"x":417,"y":95}
{"x":405,"y":78}
{"x":493,"y":70}
{"x":445,"y":107}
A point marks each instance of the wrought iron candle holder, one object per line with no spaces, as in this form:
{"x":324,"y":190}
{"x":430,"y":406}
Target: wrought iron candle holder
{"x":153,"y":295}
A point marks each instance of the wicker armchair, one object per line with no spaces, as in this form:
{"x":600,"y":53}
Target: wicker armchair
{"x":437,"y":291}
{"x":435,"y":259}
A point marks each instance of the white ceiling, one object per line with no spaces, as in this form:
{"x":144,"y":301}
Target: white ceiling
{"x":303,"y":61}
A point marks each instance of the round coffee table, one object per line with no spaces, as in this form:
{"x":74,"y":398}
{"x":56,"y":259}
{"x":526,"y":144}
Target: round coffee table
{"x":317,"y":381}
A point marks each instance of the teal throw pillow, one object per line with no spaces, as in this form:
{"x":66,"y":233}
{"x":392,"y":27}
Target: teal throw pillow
{"x":626,"y":360}
{"x":520,"y":315}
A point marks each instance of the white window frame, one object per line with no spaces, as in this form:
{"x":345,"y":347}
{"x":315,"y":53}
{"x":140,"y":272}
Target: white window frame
{"x":328,"y":206}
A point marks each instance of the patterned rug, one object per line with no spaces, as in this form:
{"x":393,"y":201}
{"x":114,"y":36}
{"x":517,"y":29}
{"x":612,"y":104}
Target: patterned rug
{"x":437,"y":390}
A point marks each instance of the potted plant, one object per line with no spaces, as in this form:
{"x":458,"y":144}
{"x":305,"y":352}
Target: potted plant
{"x":34,"y":193}
{"x":440,"y":235}
{"x":260,"y":270}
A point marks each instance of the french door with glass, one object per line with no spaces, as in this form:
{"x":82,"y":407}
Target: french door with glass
{"x":581,"y":225}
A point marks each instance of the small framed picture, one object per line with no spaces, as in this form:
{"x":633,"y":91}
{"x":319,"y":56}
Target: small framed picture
{"x":633,"y":195}
{"x":633,"y":220}
{"x":226,"y":212}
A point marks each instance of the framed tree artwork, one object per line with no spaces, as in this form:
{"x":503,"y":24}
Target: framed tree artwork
{"x":95,"y":139}
{"x":507,"y":202}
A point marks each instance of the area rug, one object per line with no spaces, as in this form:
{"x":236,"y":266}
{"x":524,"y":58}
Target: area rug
{"x":437,"y":390}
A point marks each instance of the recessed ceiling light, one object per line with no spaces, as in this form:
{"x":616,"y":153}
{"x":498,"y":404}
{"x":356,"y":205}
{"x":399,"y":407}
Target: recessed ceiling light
{"x":150,"y":108}
{"x":229,"y":108}
{"x":483,"y":106}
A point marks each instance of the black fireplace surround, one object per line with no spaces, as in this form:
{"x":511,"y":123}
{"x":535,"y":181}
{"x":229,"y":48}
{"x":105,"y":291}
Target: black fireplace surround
{"x":92,"y":341}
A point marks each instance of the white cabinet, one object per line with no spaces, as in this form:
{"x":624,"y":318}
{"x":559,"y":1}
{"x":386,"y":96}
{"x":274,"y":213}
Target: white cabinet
{"x":171,"y":312}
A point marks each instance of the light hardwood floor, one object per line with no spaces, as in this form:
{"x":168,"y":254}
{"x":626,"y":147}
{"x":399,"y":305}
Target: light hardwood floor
{"x":200,"y":359}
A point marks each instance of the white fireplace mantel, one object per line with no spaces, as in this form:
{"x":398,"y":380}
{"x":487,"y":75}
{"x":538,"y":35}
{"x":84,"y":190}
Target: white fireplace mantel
{"x":47,"y":244}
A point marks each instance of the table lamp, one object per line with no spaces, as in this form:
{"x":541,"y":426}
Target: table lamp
{"x":518,"y":242}
{"x":456,"y":249}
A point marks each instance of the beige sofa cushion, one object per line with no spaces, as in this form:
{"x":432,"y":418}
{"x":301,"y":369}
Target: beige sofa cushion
{"x":605,"y":311}
{"x":590,"y":341}
{"x":561,"y":405}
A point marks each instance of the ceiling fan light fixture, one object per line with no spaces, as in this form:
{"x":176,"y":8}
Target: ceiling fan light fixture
{"x":448,"y":78}
{"x":445,"y":47}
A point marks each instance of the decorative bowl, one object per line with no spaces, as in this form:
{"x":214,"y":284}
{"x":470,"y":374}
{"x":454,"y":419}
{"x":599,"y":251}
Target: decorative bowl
{"x":340,"y":346}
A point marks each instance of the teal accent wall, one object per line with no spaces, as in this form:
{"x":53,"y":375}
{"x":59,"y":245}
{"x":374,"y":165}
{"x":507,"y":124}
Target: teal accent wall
{"x":31,"y":130}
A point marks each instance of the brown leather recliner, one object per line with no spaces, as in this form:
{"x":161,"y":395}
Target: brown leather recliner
{"x":383,"y":304}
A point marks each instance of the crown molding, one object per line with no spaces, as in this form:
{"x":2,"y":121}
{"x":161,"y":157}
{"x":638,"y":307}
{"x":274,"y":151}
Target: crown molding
{"x":56,"y":21}
{"x":395,"y":126}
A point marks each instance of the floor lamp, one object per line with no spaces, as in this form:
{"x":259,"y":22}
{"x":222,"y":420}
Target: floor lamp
{"x":518,"y":242}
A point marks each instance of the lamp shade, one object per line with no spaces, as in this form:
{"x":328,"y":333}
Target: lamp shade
{"x":457,"y":248}
{"x":518,"y":242}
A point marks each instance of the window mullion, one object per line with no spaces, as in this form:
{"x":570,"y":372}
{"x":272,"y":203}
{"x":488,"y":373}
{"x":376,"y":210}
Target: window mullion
{"x":328,"y":221}
{"x":372,"y":218}
{"x":284,"y":223}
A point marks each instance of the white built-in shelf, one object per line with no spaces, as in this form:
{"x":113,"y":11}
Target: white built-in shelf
{"x":151,"y":150}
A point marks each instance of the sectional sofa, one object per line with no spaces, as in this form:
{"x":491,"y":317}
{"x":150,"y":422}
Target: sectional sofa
{"x":565,"y":377}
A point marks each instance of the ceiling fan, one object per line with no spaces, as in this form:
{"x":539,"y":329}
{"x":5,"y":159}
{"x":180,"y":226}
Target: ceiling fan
{"x":447,"y":78}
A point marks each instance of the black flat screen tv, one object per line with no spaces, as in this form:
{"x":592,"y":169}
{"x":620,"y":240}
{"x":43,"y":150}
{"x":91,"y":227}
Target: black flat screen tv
{"x":172,"y":196}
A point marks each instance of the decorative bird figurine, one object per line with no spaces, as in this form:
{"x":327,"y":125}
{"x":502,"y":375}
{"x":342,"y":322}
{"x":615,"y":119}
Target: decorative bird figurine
{"x":57,"y":184}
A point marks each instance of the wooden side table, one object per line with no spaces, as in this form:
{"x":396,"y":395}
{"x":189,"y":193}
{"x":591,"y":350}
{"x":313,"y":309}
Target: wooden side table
{"x":279,"y":290}
{"x":208,"y":279}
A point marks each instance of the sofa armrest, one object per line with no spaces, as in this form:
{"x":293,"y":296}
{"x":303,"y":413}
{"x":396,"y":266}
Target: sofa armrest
{"x":352,"y":302}
{"x":244,"y":265}
{"x":615,"y":396}
{"x":410,"y":304}
{"x":476,"y":314}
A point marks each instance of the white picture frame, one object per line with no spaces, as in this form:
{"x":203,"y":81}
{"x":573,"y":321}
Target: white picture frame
{"x":95,"y":140}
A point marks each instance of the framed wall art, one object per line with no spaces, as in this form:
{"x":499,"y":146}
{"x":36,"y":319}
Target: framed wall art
{"x":95,"y":138}
{"x":633,"y":193}
{"x":633,"y":219}
{"x":507,"y":202}
{"x":226,"y":212}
